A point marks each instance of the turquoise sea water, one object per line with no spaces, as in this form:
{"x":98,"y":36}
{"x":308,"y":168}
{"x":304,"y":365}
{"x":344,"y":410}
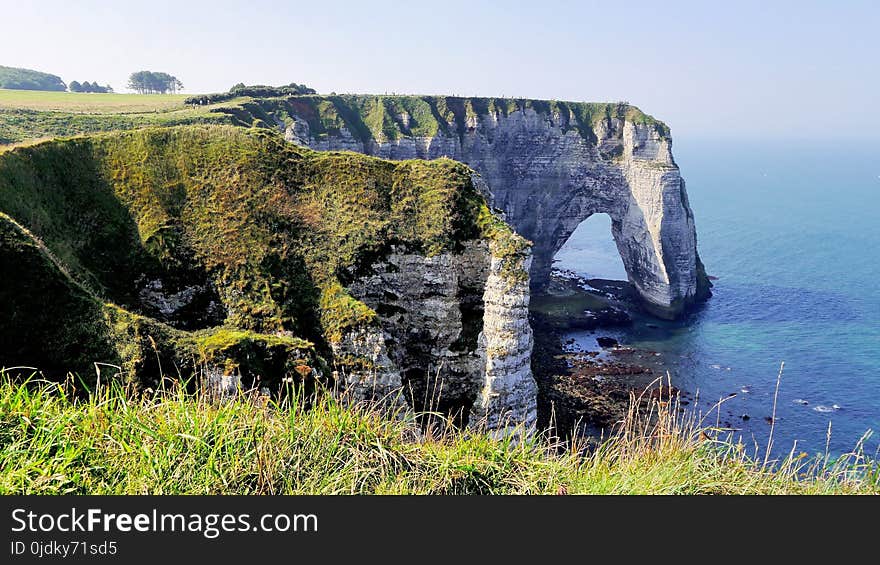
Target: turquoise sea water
{"x":792,"y":231}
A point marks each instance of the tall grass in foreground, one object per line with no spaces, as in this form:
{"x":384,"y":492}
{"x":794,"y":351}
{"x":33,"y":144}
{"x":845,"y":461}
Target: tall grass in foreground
{"x":171,"y":442}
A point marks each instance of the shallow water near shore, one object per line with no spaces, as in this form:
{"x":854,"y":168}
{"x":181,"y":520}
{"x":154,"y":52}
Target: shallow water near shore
{"x":792,"y":231}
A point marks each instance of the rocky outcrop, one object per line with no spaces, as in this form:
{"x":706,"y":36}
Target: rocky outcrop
{"x":508,"y":392}
{"x":230,"y":254}
{"x":454,"y":336}
{"x":548,"y":166}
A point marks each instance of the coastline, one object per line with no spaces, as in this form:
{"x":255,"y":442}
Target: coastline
{"x":586,"y":387}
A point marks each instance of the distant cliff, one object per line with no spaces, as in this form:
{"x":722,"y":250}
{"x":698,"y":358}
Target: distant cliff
{"x":548,"y":166}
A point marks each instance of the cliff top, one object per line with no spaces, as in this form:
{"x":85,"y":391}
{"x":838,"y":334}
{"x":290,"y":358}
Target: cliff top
{"x":389,"y":117}
{"x":27,"y":116}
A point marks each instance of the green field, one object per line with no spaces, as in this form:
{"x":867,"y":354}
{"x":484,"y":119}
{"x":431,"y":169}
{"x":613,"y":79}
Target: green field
{"x":27,"y":116}
{"x":87,"y":103}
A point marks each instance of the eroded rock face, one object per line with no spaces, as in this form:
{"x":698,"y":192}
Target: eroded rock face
{"x":454,"y":336}
{"x":548,"y":177}
{"x":233,"y":256}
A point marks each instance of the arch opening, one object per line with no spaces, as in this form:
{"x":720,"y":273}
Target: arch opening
{"x":590,"y":251}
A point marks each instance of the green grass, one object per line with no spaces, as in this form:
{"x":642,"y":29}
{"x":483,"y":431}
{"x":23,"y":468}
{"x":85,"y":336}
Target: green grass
{"x":169,"y":442}
{"x":28,"y":116}
{"x":91,"y":103}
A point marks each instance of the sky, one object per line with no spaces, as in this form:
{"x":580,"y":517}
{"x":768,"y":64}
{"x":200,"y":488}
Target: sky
{"x":777,"y":69}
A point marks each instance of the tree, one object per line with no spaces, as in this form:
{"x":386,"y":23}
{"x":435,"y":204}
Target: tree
{"x":149,"y":82}
{"x":27,"y":79}
{"x":87,"y":86}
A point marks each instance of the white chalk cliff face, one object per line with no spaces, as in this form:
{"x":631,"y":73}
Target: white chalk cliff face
{"x":547,"y":177}
{"x":454,"y":336}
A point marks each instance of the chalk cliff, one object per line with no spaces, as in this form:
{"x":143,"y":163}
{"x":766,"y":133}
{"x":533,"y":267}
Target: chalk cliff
{"x":454,"y":336}
{"x":547,"y":165}
{"x":233,"y":255}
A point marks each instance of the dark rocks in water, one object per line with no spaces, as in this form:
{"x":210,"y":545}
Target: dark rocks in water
{"x":593,"y":319}
{"x":569,"y":305}
{"x":612,"y":317}
{"x":621,"y":290}
{"x":606,"y":342}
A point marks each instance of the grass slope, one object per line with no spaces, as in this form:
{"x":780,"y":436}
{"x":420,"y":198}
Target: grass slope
{"x":268,"y":235}
{"x":174,"y":443}
{"x":27,"y":116}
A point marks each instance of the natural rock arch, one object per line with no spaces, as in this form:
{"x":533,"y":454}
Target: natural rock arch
{"x":547,"y":175}
{"x":643,"y":193}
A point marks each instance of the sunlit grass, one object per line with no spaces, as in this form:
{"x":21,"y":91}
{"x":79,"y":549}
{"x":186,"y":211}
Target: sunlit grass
{"x":172,"y":442}
{"x":90,"y":103}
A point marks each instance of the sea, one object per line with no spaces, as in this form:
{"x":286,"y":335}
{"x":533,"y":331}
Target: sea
{"x":791,"y":230}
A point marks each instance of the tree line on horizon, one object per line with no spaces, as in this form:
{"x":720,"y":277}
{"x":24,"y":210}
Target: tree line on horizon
{"x":255,"y":90}
{"x":26,"y":79}
{"x":149,"y":82}
{"x":87,"y":86}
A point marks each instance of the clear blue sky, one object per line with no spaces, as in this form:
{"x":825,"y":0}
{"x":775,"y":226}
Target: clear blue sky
{"x":786,"y":69}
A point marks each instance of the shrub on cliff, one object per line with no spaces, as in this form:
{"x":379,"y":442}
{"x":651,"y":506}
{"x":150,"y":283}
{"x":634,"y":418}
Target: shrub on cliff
{"x":255,"y":91}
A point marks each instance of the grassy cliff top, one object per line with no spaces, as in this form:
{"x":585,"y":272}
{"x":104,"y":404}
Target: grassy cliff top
{"x":266,"y":234}
{"x":391,"y":117}
{"x":26,"y":115}
{"x":30,"y":116}
{"x":89,"y":103}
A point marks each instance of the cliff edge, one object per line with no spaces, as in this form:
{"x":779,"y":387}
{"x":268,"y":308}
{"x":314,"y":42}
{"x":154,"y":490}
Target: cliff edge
{"x":547,"y":166}
{"x":232,"y":255}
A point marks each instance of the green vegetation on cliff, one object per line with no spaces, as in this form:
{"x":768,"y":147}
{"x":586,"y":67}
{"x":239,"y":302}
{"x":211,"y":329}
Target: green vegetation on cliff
{"x":164,"y":250}
{"x":174,"y":443}
{"x":384,"y":118}
{"x":26,"y":116}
